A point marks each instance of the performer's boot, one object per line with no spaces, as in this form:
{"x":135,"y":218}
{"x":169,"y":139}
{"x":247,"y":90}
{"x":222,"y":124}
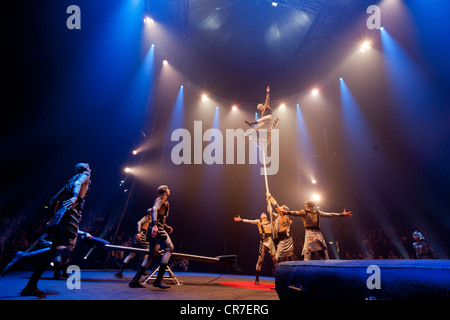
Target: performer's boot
{"x":134,"y":283}
{"x":257,"y":277}
{"x":64,"y":267}
{"x":158,"y":281}
{"x":57,"y":274}
{"x":119,"y":274}
{"x":31,"y":288}
{"x":26,"y":257}
{"x":251,"y":123}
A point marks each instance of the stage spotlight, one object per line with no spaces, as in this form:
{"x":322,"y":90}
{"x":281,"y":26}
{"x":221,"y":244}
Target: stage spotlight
{"x":135,"y":152}
{"x":315,"y":92}
{"x":341,"y":79}
{"x":315,"y":197}
{"x":282,"y":106}
{"x":165,"y":62}
{"x":313,"y":181}
{"x":274,"y":4}
{"x":234,"y":108}
{"x":365,"y":46}
{"x":204,"y":97}
{"x":148,"y":20}
{"x":127,"y":170}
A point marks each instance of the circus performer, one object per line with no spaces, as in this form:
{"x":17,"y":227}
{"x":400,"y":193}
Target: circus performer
{"x":422,"y":248}
{"x":265,"y":121}
{"x":282,"y":230}
{"x":315,"y":247}
{"x":61,"y":231}
{"x":159,"y":239}
{"x":266,"y":244}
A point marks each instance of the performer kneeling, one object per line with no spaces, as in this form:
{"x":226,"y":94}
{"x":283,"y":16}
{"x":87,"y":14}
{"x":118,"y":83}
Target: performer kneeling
{"x":159,"y":240}
{"x":265,"y":243}
{"x":315,"y":247}
{"x":62,"y":230}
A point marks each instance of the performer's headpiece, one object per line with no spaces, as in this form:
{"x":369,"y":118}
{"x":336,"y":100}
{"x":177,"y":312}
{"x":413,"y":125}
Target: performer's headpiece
{"x":162,"y":189}
{"x":80,"y":167}
{"x":417,"y":233}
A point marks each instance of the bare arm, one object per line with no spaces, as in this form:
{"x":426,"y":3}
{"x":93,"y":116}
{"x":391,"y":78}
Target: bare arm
{"x":239,"y":219}
{"x":266,"y":103}
{"x":156,"y":206}
{"x":335,"y":214}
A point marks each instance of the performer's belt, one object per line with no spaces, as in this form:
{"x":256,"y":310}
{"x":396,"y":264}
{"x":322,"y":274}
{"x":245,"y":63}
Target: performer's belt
{"x":312,"y":228}
{"x":282,"y":235}
{"x":265,"y":236}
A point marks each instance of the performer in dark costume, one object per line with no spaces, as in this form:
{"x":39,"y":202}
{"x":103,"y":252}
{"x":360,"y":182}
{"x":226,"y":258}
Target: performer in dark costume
{"x":266,"y":244}
{"x":265,"y":121}
{"x":61,"y":231}
{"x":315,"y":247}
{"x":159,"y":240}
{"x":422,"y":248}
{"x":139,"y":241}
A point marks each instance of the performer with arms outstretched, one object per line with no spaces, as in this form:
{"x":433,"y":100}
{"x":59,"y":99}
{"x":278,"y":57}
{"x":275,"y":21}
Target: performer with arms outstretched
{"x":266,"y":244}
{"x":315,"y":247}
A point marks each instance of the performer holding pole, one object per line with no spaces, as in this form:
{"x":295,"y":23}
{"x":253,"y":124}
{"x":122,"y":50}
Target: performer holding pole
{"x":282,"y":230}
{"x":159,"y":240}
{"x":266,"y":244}
{"x":315,"y":247}
{"x":62,"y":230}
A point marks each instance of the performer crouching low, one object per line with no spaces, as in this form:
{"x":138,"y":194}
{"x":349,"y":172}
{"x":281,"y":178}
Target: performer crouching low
{"x":159,"y":240}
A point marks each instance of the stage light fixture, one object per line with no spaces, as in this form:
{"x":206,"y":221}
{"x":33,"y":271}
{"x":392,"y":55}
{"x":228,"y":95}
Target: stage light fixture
{"x":204,"y":97}
{"x":127,"y":170}
{"x":234,"y":108}
{"x":274,"y":4}
{"x":315,"y":197}
{"x":135,"y":152}
{"x":315,"y":92}
{"x":365,"y":46}
{"x":313,"y":181}
{"x":165,"y":62}
{"x":282,"y":106}
{"x":148,"y":20}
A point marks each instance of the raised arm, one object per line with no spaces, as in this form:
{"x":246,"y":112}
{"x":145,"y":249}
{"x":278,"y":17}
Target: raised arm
{"x":266,"y":103}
